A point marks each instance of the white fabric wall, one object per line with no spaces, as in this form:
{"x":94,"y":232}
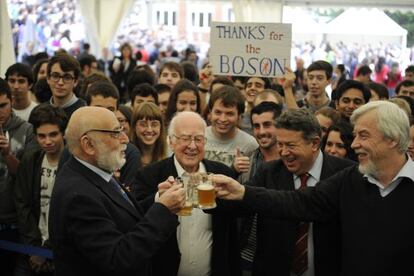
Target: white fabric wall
{"x":258,"y":11}
{"x":7,"y":57}
{"x":102,"y":20}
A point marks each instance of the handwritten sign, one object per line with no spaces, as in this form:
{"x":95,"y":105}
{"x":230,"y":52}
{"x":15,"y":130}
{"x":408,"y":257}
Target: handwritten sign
{"x":250,"y":49}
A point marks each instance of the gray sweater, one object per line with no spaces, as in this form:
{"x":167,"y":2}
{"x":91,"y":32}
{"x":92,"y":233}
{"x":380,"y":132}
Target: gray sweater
{"x":21,"y":139}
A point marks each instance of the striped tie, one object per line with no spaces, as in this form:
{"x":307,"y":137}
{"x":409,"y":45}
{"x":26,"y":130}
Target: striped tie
{"x":300,"y":253}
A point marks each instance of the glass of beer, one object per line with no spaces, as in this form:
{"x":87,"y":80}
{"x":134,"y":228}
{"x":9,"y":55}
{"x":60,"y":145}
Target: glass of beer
{"x":206,"y":192}
{"x":189,"y":190}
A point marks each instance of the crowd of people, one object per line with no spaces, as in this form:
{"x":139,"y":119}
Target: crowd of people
{"x":313,"y":169}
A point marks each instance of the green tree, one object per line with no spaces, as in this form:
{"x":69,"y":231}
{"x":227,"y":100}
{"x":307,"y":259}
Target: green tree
{"x":405,"y":20}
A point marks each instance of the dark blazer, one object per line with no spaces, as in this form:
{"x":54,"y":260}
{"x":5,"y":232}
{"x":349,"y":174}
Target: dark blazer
{"x":95,"y":231}
{"x":27,"y":197}
{"x":276,"y":238}
{"x":225,"y":254}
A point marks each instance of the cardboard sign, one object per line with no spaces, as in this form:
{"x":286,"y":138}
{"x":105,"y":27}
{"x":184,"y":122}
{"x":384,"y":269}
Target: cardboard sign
{"x":250,"y":49}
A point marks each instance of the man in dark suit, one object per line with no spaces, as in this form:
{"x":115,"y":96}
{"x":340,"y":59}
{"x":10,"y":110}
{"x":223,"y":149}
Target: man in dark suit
{"x":298,"y":142}
{"x":204,"y":244}
{"x":97,"y":228}
{"x":372,"y":201}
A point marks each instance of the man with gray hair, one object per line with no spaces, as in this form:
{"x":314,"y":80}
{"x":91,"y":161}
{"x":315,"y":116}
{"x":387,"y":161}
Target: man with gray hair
{"x":203,"y":244}
{"x":373,"y":201}
{"x":96,"y":227}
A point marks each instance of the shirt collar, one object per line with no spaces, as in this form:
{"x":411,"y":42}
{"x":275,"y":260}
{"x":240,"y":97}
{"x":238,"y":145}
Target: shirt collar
{"x":316,"y":169}
{"x":106,"y":176}
{"x":406,"y":171}
{"x":69,"y":103}
{"x":181,"y":171}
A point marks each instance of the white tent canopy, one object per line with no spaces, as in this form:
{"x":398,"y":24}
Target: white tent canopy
{"x":304,"y":27}
{"x":365,"y":26}
{"x":6,"y":44}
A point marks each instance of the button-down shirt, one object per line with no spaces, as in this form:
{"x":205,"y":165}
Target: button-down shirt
{"x":314,"y":177}
{"x":195,"y":238}
{"x":406,"y":171}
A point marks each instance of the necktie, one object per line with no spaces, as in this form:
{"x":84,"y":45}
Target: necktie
{"x":118,"y":188}
{"x":300,"y":253}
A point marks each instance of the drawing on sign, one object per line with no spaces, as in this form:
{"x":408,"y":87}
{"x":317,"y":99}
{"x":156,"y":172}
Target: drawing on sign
{"x":250,"y":49}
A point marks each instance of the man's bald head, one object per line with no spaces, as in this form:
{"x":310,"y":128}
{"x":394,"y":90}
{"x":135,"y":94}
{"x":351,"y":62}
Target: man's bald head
{"x":83,"y":120}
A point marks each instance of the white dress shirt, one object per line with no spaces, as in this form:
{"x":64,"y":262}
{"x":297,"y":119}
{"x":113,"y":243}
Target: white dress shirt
{"x":195,"y":238}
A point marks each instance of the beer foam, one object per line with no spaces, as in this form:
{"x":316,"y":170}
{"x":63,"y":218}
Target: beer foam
{"x":205,"y":187}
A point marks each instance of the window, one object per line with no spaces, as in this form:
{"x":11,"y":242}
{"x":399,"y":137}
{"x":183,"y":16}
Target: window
{"x":201,"y":20}
{"x":209,"y":19}
{"x":158,"y":17}
{"x":193,"y":19}
{"x":174,"y":18}
{"x":166,"y":18}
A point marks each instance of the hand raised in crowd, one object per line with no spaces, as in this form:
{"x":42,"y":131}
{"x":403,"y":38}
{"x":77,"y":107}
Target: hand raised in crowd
{"x":288,"y":78}
{"x":4,"y":144}
{"x":241,"y":163}
{"x":206,"y":77}
{"x":227,"y":188}
{"x":173,"y":198}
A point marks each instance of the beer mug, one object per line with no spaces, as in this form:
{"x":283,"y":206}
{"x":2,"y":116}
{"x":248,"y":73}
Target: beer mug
{"x":206,"y":192}
{"x":189,"y":190}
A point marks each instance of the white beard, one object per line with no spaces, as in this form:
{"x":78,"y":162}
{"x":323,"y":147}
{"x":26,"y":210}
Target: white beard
{"x":109,"y":161}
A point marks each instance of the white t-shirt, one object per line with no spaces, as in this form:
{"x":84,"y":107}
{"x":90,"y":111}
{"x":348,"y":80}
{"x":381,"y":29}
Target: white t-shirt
{"x":25,"y":113}
{"x":224,"y":151}
{"x":47,"y":181}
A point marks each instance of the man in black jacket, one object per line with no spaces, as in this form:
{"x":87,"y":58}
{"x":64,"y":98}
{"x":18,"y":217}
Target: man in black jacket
{"x":35,"y":179}
{"x":298,"y":142}
{"x":203,"y":244}
{"x":96,"y":227}
{"x":373,"y":201}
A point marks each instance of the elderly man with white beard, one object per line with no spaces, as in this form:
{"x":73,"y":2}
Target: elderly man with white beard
{"x":373,"y":201}
{"x":96,"y":227}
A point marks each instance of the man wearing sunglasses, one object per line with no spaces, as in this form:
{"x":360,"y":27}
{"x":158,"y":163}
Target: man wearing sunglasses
{"x":202,"y":244}
{"x":96,"y":227}
{"x":62,"y":76}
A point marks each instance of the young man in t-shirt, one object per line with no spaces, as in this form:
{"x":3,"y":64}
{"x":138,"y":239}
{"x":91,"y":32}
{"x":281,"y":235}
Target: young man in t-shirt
{"x":224,"y":138}
{"x":35,"y":179}
{"x":20,"y":79}
{"x":319,"y":77}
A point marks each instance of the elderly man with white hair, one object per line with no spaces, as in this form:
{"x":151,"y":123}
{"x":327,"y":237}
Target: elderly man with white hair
{"x":373,"y":201}
{"x":96,"y":227}
{"x":204,"y":244}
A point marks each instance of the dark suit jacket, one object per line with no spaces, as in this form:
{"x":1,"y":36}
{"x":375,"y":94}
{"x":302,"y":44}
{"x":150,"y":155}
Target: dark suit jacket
{"x":95,"y":231}
{"x":276,"y":238}
{"x":225,"y":254}
{"x":27,"y":197}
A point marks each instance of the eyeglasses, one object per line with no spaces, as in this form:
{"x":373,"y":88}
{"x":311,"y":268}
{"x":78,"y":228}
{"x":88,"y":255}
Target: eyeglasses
{"x":186,"y":140}
{"x":67,"y":78}
{"x":115,"y":133}
{"x":147,"y":124}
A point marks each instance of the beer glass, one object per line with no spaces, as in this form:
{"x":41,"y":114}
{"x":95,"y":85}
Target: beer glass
{"x":189,"y":190}
{"x":206,"y":192}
